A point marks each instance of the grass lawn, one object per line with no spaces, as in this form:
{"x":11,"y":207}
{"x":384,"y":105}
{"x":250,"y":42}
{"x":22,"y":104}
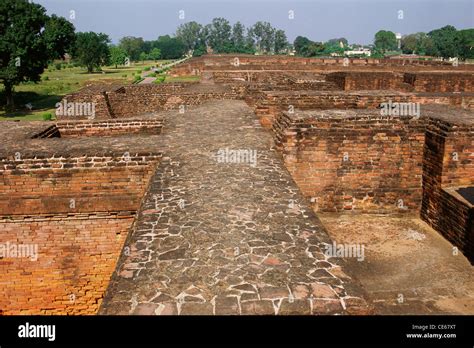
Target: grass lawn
{"x":188,"y":78}
{"x":54,"y":84}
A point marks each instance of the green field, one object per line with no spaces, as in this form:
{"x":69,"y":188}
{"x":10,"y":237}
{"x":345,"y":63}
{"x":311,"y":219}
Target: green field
{"x":55,"y":84}
{"x":190,"y":78}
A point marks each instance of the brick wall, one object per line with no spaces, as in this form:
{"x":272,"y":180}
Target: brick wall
{"x":129,"y":101}
{"x":351,"y":81}
{"x":270,"y":103}
{"x":448,"y":163}
{"x":441,"y":82}
{"x":360,"y":163}
{"x":109,"y":128}
{"x":100,"y":100}
{"x":76,"y":257}
{"x":78,"y":244}
{"x":197,"y":66}
{"x":47,"y":185}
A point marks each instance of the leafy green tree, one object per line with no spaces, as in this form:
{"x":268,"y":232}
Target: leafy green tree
{"x":315,"y":49}
{"x":263,"y":35}
{"x":307,"y":48}
{"x":170,"y":47}
{"x":143,"y":56}
{"x":301,"y":44}
{"x":199,"y":51}
{"x":238,"y":37}
{"x":335,"y":46}
{"x":190,"y":34}
{"x":281,"y":42}
{"x":154,"y":54}
{"x":92,"y":50}
{"x":465,"y":43}
{"x":118,"y":56}
{"x":336,"y":43}
{"x":28,"y":40}
{"x":418,"y":43}
{"x":147,"y":46}
{"x":444,"y":40}
{"x":409,"y":44}
{"x":133,"y":46}
{"x":385,"y":40}
{"x":59,"y":35}
{"x":220,"y":33}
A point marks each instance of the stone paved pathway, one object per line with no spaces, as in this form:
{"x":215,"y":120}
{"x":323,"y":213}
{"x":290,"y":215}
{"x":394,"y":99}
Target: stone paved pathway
{"x":226,"y":238}
{"x":147,"y":80}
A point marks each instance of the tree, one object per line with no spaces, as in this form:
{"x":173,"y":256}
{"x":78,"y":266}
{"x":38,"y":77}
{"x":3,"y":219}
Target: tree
{"x":409,"y":44}
{"x":220,"y":34}
{"x":154,"y":54}
{"x":190,"y":34}
{"x":199,"y":51}
{"x":385,"y":40}
{"x":281,"y":42}
{"x":339,"y":42}
{"x":315,"y":49}
{"x":307,"y":48}
{"x":59,"y":35}
{"x":133,"y":46}
{"x":301,"y":44}
{"x":465,"y":43}
{"x":143,"y":56}
{"x":238,"y":37}
{"x":444,"y":40}
{"x":263,"y":34}
{"x":92,"y":50}
{"x":28,"y":40}
{"x":418,"y":43}
{"x":170,"y":47}
{"x":118,"y":56}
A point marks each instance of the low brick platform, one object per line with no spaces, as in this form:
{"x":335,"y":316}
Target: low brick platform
{"x":354,"y":160}
{"x":68,"y":201}
{"x":226,"y":238}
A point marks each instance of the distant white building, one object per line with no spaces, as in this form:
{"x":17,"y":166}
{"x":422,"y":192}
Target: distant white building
{"x":358,"y":52}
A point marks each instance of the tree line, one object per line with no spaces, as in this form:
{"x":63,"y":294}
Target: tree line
{"x":223,"y":37}
{"x":445,"y":42}
{"x":195,"y":39}
{"x":30,"y":40}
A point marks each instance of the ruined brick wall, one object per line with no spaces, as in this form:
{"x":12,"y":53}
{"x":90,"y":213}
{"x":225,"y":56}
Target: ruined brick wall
{"x":270,"y":103}
{"x":100,"y":100}
{"x":455,"y":221}
{"x":130,"y":103}
{"x":77,"y":210}
{"x":263,"y":77}
{"x":197,"y":66}
{"x":76,"y":257}
{"x":108,"y":128}
{"x":360,"y":163}
{"x":351,"y":81}
{"x":399,"y":81}
{"x":441,"y":82}
{"x":448,"y":163}
{"x":47,"y":185}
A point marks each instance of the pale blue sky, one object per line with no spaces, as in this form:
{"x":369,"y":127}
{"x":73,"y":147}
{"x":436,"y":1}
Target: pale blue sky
{"x":320,"y":20}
